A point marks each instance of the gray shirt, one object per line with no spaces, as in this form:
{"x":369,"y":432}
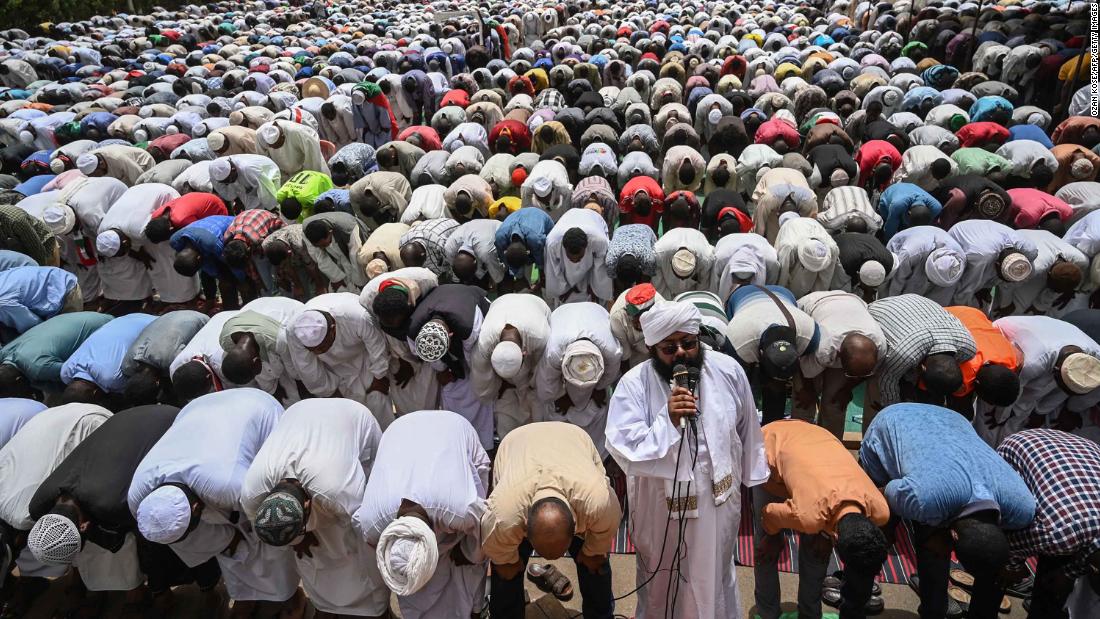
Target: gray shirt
{"x":161,"y":340}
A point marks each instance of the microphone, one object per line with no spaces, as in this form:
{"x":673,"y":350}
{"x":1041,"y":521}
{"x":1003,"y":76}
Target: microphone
{"x":681,"y":377}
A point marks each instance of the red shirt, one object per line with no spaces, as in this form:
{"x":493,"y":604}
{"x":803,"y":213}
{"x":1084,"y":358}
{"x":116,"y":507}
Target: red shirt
{"x":190,"y":208}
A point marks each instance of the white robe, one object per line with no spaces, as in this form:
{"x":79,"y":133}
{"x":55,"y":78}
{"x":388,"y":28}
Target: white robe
{"x":911,"y":248}
{"x":793,"y":275}
{"x":1032,"y":295}
{"x":576,"y":278}
{"x":742,"y":253}
{"x":643,"y":440}
{"x":983,"y":241}
{"x":329,"y":445}
{"x":665,"y":280}
{"x":206,"y":345}
{"x":257,"y":181}
{"x":213,"y":464}
{"x":450,"y":481}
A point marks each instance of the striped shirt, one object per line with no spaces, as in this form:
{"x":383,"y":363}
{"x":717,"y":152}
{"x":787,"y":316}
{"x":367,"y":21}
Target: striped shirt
{"x":432,"y":235}
{"x":915,"y":327}
{"x":1063,"y":472}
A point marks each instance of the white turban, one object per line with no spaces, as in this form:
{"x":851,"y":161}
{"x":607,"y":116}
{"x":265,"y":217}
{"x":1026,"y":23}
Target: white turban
{"x":1081,"y":169}
{"x":376,"y":267}
{"x":582,"y":363}
{"x":87,"y":163}
{"x":944,"y":267}
{"x":683,"y":263}
{"x":310,"y":327}
{"x":108,"y":243}
{"x":1081,"y":373}
{"x":269,"y":133}
{"x":787,"y":216}
{"x":1015,"y":267}
{"x":507,"y":359}
{"x":164,"y":515}
{"x":872,"y":273}
{"x":59,"y":218}
{"x":407,"y":555}
{"x":216,"y":141}
{"x":669,"y":317}
{"x":220,"y":169}
{"x":813,"y":254}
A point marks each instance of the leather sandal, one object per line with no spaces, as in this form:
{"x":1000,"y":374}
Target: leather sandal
{"x":548,"y":579}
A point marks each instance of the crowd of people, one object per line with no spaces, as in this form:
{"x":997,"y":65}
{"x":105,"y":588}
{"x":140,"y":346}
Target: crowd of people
{"x":319,"y":303}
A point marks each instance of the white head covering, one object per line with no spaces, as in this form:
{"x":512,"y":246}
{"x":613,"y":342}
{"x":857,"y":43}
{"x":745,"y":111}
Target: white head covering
{"x":376,"y":267}
{"x":216,"y":141}
{"x":1081,"y":373}
{"x":432,"y":341}
{"x":813,"y":254}
{"x":787,"y":216}
{"x":1015,"y":267}
{"x":164,"y":515}
{"x":669,"y":317}
{"x":838,"y":178}
{"x":108,"y":243}
{"x":943,"y":267}
{"x":683,"y":262}
{"x":310,"y":327}
{"x":542,"y":185}
{"x":582,"y":363}
{"x":87,"y":163}
{"x":54,"y":540}
{"x":507,"y":359}
{"x":407,"y":555}
{"x":219,"y":169}
{"x":59,"y":218}
{"x":872,"y":273}
{"x":1081,"y":169}
{"x":269,"y":133}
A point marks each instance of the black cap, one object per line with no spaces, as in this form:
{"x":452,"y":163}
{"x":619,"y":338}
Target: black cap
{"x":778,"y":356}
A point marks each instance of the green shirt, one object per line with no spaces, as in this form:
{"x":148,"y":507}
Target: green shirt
{"x":42,"y":350}
{"x":304,"y":186}
{"x":264,"y":328}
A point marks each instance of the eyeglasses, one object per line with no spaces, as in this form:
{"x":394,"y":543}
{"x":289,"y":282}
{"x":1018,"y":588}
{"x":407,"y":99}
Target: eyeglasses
{"x":686,"y":345}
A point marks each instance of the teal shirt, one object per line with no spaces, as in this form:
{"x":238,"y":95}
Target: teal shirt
{"x":42,"y":350}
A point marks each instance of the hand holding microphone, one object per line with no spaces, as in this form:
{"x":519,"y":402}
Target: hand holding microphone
{"x":681,"y":402}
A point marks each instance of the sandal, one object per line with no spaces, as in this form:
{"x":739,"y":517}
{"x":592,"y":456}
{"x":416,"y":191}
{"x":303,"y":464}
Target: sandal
{"x":962,"y":597}
{"x":836,"y":581}
{"x":548,"y":579}
{"x":954,"y":609}
{"x":961,"y":578}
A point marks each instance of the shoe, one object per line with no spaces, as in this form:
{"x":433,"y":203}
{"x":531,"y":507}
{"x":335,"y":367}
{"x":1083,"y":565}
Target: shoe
{"x":836,"y":581}
{"x":962,"y":596}
{"x":954,"y":610}
{"x":874,"y":606}
{"x":1022,"y":588}
{"x":962,"y":578}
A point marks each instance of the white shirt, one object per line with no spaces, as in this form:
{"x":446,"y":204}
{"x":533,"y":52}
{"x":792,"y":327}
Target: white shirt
{"x":837,"y":314}
{"x":531,"y":317}
{"x":573,"y":279}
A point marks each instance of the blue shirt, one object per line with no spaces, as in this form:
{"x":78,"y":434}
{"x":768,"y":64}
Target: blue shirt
{"x":14,"y":412}
{"x":11,"y":259}
{"x":936,"y":468}
{"x":531,"y":225}
{"x":99,"y":359}
{"x":29,"y":295}
{"x":205,"y":235}
{"x":895,"y":203}
{"x":33,"y":184}
{"x":1029,"y":132}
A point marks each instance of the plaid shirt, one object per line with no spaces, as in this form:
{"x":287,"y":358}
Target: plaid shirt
{"x":550,"y":98}
{"x":22,"y":232}
{"x":1063,"y":472}
{"x":432,"y":234}
{"x":253,"y":226}
{"x":915,"y":327}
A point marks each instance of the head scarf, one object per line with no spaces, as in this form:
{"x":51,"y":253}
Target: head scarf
{"x":667,"y":318}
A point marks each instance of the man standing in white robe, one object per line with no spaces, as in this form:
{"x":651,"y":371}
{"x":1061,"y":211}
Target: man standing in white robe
{"x":685,"y":457}
{"x":188,"y":487}
{"x":303,"y":488}
{"x":337,"y":351}
{"x":509,"y":346}
{"x":575,"y":254}
{"x":580,"y":363}
{"x":423,"y":515}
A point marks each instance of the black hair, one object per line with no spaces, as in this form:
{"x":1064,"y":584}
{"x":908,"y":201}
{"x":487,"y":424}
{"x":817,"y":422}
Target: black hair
{"x":236,"y":254}
{"x":316,"y":230}
{"x":980,"y":546}
{"x":941,"y":375}
{"x":276,"y":252}
{"x":574,"y":240}
{"x":515,"y":255}
{"x":158,"y":230}
{"x":187,"y":262}
{"x":290,"y":207}
{"x":997,"y":385}
{"x":12,"y":381}
{"x":1053,"y":224}
{"x":143,"y":387}
{"x":629,"y":269}
{"x":919,"y":215}
{"x":238,"y":367}
{"x":389,"y":302}
{"x":860,"y":544}
{"x":191,"y":380}
{"x":940,"y":168}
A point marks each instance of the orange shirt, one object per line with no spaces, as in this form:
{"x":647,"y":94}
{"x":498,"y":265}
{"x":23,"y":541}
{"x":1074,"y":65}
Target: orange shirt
{"x":820,"y":479}
{"x":993,"y":347}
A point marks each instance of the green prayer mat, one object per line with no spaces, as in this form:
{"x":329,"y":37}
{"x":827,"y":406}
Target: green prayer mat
{"x":794,"y":615}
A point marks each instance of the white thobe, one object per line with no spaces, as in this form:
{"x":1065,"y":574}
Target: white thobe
{"x":337,"y":266}
{"x":742,"y":253}
{"x":793,"y":275}
{"x":87,"y":275}
{"x":356,"y":358}
{"x":1032,"y":295}
{"x":1039,"y":338}
{"x":730,"y":452}
{"x":278,"y":370}
{"x":208,"y":448}
{"x":530,"y":316}
{"x":301,"y":149}
{"x":450,"y":481}
{"x":569,"y":323}
{"x":477,"y":238}
{"x":206,"y":345}
{"x":911,"y":248}
{"x":982,"y":242}
{"x":574,"y":279}
{"x":665,"y":280}
{"x":258,"y":179}
{"x":329,"y":445}
{"x":1084,"y":235}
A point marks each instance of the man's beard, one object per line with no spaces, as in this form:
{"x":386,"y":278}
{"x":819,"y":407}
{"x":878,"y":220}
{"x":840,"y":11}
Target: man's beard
{"x":664,"y":370}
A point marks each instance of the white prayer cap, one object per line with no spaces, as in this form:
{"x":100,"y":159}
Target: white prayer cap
{"x":164,"y":515}
{"x":1081,"y":169}
{"x":582,"y":363}
{"x":57,"y":165}
{"x":54,"y":540}
{"x":872,"y":273}
{"x":683,"y":262}
{"x":59,"y":218}
{"x":813,"y":254}
{"x":1015,"y":267}
{"x":407,"y":555}
{"x":376,"y":267}
{"x":542,"y":186}
{"x":787,"y":216}
{"x":108,"y":243}
{"x":838,"y":178}
{"x":220,"y":169}
{"x":944,"y":267}
{"x":269,"y":133}
{"x":507,"y":359}
{"x":310,"y":327}
{"x":216,"y":141}
{"x":1081,"y":373}
{"x":87,"y":163}
{"x":669,"y":317}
